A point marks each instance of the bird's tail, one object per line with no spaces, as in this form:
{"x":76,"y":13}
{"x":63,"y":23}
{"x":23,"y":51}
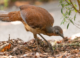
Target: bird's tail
{"x":4,"y":16}
{"x":10,"y":16}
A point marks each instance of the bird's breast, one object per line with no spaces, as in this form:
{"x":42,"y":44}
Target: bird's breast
{"x":35,"y":31}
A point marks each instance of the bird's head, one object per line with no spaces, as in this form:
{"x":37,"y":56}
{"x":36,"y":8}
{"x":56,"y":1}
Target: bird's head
{"x":56,"y":31}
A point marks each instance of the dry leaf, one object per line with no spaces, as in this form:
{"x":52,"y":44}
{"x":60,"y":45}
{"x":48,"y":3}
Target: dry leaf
{"x":6,"y":48}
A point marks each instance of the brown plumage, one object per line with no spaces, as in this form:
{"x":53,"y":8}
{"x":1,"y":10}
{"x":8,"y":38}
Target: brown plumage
{"x":35,"y":19}
{"x":11,"y":16}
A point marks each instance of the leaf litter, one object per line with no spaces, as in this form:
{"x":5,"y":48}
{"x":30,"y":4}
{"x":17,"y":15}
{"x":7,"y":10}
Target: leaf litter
{"x":17,"y":48}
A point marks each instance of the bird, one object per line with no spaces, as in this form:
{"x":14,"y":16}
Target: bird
{"x":36,"y":20}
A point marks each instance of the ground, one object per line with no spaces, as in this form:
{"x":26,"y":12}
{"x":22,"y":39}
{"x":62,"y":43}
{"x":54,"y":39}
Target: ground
{"x":17,"y":48}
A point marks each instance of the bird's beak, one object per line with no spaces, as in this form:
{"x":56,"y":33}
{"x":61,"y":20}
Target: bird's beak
{"x":62,"y":36}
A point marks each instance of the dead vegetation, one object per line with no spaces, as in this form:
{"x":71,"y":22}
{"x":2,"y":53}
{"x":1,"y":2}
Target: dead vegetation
{"x":17,"y":48}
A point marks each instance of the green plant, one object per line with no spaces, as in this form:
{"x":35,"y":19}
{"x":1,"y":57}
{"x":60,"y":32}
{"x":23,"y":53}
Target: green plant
{"x":68,"y":6}
{"x":6,"y":3}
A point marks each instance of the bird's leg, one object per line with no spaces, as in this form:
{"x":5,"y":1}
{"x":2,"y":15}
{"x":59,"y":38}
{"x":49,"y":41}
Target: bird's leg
{"x":35,"y":36}
{"x":50,"y":46}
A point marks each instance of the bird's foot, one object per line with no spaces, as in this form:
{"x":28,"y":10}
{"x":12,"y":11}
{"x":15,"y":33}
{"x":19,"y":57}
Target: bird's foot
{"x":51,"y":48}
{"x":38,"y":47}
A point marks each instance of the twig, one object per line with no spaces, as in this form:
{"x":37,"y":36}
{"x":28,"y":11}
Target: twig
{"x":17,"y":47}
{"x":17,"y":50}
{"x":9,"y":38}
{"x":74,"y":7}
{"x":77,"y":26}
{"x":67,"y":1}
{"x":78,"y":4}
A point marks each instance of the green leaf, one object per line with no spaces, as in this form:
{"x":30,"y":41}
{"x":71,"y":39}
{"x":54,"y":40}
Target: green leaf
{"x":74,"y":17}
{"x":61,"y":1}
{"x":71,"y":21}
{"x":63,"y":21}
{"x":75,"y":10}
{"x":62,"y":5}
{"x":62,"y":10}
{"x":69,"y":12}
{"x":75,"y":5}
{"x":68,"y":25}
{"x":67,"y":4}
{"x":68,"y":0}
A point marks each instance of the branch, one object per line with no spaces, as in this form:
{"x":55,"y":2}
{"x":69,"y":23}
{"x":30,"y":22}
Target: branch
{"x":67,"y":1}
{"x":74,"y":7}
{"x":77,"y":25}
{"x":78,"y":4}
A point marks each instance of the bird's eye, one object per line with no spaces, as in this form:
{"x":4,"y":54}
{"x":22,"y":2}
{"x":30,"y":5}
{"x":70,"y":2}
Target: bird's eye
{"x":57,"y":32}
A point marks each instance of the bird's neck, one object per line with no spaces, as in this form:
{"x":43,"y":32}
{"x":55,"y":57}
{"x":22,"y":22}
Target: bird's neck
{"x":49,"y":30}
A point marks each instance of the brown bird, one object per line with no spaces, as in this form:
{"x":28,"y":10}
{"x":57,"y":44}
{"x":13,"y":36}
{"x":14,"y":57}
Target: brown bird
{"x":35,"y":19}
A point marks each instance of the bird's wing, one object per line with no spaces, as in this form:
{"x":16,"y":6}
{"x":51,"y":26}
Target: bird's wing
{"x":36,"y":17}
